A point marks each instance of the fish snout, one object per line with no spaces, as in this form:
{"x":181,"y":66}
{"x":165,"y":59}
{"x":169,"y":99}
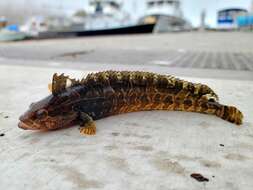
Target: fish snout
{"x":24,"y":121}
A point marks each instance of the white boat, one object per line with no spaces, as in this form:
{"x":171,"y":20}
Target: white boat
{"x":7,"y":35}
{"x":105,"y":17}
{"x":37,"y":24}
{"x":167,"y":15}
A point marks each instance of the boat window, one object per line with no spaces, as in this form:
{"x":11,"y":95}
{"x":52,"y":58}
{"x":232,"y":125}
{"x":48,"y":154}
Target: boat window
{"x":160,"y":2}
{"x":114,"y":4}
{"x":43,"y":24}
{"x":151,"y":3}
{"x":170,"y":2}
{"x":222,"y":15}
{"x":99,"y":8}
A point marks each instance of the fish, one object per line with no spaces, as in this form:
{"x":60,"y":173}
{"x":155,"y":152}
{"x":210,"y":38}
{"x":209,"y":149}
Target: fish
{"x":81,"y":102}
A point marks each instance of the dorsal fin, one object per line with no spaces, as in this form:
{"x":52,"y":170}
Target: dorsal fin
{"x":61,"y":82}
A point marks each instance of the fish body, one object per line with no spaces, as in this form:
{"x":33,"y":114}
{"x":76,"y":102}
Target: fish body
{"x":109,"y":93}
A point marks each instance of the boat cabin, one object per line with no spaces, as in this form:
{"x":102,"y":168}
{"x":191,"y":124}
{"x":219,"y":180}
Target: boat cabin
{"x":165,"y":7}
{"x":104,"y":7}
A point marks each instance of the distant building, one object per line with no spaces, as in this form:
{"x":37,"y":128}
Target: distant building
{"x":227,"y":18}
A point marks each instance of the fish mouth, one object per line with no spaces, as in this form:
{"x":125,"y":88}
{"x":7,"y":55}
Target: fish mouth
{"x":25,"y":123}
{"x":25,"y":126}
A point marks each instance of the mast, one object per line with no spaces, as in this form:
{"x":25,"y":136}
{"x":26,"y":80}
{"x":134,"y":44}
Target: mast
{"x":251,"y":7}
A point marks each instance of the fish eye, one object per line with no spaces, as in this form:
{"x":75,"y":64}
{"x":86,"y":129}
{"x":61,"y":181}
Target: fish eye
{"x":41,"y":114}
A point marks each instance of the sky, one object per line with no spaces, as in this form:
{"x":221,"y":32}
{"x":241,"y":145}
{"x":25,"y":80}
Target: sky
{"x":191,"y":8}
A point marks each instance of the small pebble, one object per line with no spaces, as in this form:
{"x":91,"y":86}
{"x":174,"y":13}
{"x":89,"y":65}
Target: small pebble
{"x":2,"y":134}
{"x":222,"y":145}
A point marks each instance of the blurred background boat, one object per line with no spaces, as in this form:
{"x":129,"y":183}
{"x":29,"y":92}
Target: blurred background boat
{"x":103,"y":18}
{"x":43,"y":19}
{"x":36,"y":25}
{"x":8,"y":35}
{"x":167,"y":14}
{"x":10,"y":32}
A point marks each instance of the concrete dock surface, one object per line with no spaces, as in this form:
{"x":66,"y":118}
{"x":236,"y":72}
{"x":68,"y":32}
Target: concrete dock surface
{"x":143,"y":150}
{"x":193,"y":50}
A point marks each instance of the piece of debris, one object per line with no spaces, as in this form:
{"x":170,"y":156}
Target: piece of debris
{"x":6,"y":116}
{"x":75,"y":54}
{"x":222,"y":145}
{"x":199,"y":177}
{"x":115,"y":134}
{"x":2,"y":134}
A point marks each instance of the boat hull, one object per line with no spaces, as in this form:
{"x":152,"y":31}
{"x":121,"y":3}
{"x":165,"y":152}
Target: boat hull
{"x":136,"y":29}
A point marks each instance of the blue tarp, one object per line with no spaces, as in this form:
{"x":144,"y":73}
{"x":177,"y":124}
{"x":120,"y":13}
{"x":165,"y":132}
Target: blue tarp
{"x":12,"y":27}
{"x":245,"y":20}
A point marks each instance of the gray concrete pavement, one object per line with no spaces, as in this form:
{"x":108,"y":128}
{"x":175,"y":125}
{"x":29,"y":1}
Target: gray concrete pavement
{"x":211,"y":50}
{"x":176,"y":71}
{"x":145,"y":150}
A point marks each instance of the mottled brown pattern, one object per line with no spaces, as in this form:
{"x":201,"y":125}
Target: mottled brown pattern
{"x":109,"y":93}
{"x":149,"y":91}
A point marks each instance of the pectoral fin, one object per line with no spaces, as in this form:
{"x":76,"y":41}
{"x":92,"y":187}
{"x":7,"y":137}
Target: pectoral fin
{"x":87,"y":125}
{"x":50,"y":88}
